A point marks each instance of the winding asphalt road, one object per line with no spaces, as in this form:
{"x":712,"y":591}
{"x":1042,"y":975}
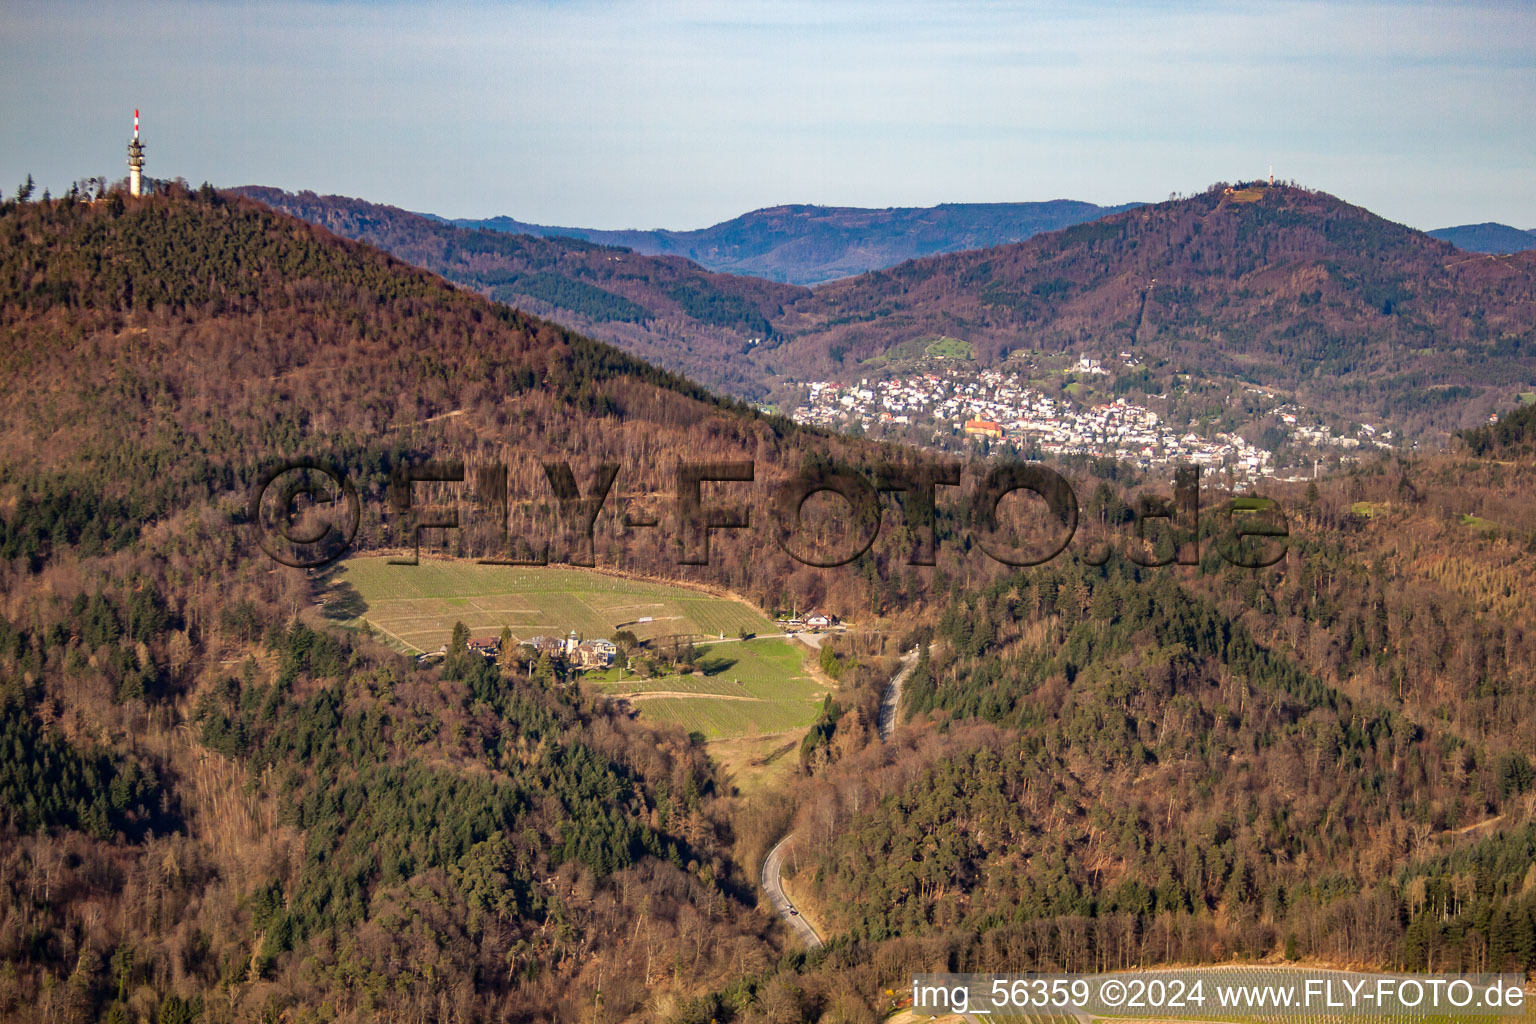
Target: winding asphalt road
{"x":773,"y":886}
{"x":891,"y":703}
{"x":773,"y":864}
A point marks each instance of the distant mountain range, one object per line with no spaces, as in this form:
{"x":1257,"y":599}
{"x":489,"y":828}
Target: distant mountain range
{"x":1498,"y":238}
{"x":1278,"y":287}
{"x":810,"y":244}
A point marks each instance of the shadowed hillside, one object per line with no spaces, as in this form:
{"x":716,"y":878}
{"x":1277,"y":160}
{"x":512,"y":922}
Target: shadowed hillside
{"x":811,"y":244}
{"x":666,"y":310}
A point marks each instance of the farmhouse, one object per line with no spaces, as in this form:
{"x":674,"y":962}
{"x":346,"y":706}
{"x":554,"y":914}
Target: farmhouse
{"x":820,"y":620}
{"x":485,"y":646}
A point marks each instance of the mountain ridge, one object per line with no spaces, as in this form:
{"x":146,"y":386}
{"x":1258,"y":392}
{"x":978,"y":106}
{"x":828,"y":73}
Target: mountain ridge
{"x":1274,"y":286}
{"x":229,"y":807}
{"x":1490,"y":237}
{"x":808,"y":244}
{"x":1277,"y":286}
{"x":664,"y":309}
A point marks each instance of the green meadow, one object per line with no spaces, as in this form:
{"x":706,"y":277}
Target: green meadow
{"x":752,"y":688}
{"x":414,"y":607}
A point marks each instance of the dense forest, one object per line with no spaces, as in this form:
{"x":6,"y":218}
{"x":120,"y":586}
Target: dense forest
{"x":1154,"y":740}
{"x":1107,"y":765}
{"x":664,"y":309}
{"x":219,"y":810}
{"x":1515,"y":432}
{"x":220,"y":807}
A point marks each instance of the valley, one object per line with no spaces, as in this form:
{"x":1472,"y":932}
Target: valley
{"x":262,"y":790}
{"x":1217,"y":298}
{"x":882,"y":589}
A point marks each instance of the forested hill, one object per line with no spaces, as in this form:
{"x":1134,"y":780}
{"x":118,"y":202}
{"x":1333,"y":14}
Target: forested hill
{"x":1110,"y":765}
{"x":1271,"y":285}
{"x":180,"y":342}
{"x":1276,"y":286}
{"x":214,"y":807}
{"x":1511,"y":433}
{"x":664,"y":309}
{"x":218,"y":806}
{"x":162,"y":352}
{"x":804,"y":244}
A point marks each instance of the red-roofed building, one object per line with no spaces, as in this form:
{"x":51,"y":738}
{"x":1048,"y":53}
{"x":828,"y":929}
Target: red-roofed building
{"x":983,"y":428}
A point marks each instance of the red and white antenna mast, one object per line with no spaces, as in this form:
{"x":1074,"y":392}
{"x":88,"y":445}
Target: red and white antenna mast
{"x":136,"y":160}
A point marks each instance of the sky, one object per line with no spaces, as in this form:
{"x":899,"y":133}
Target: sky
{"x":610,"y":114}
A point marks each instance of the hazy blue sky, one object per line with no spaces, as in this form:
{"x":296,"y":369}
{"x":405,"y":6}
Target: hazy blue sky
{"x":620,"y":114}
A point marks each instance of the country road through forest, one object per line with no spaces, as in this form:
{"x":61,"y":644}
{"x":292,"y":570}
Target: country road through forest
{"x":891,"y":703}
{"x":773,"y":864}
{"x":773,"y":868}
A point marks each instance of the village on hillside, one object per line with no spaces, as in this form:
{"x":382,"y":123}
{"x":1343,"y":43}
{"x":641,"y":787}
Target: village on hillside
{"x":962,"y":402}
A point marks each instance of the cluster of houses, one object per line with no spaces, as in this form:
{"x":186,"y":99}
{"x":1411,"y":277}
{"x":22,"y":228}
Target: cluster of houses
{"x":1133,"y":433}
{"x":814,"y":622}
{"x":571,"y":649}
{"x":997,"y":405}
{"x":1368,"y":436}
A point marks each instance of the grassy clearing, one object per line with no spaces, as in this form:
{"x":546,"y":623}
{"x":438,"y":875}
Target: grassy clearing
{"x":414,"y":607}
{"x":950,"y":348}
{"x":703,"y":686}
{"x":757,"y":763}
{"x":716,"y":719}
{"x":943,"y":347}
{"x":751,"y":700}
{"x":742,"y":689}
